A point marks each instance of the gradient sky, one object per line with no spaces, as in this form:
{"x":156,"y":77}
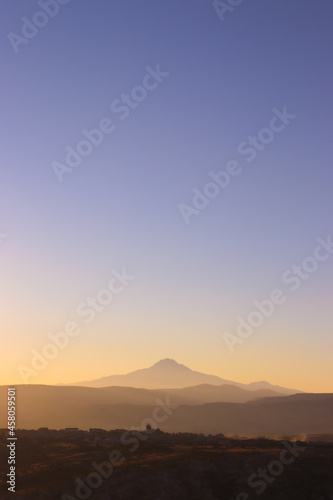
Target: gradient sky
{"x":119,"y":208}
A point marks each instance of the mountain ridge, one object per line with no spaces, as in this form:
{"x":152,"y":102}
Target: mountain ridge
{"x":169,"y":374}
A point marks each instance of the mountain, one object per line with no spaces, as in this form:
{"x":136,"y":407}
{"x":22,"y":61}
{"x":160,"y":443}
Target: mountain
{"x":168,"y":374}
{"x":58,"y":407}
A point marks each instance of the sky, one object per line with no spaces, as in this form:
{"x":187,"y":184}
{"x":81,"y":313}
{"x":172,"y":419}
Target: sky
{"x":181,"y":90}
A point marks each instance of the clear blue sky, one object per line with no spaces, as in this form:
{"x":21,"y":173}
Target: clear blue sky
{"x":119,"y":207}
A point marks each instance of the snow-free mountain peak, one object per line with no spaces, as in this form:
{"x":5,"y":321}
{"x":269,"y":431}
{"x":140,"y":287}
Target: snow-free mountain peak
{"x":169,"y":374}
{"x":168,"y":363}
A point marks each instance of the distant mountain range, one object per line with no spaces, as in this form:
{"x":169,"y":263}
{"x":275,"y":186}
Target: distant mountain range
{"x":168,"y":374}
{"x":180,"y":399}
{"x":195,"y":409}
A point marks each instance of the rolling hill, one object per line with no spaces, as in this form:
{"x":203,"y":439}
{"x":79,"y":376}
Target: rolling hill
{"x":110,"y":408}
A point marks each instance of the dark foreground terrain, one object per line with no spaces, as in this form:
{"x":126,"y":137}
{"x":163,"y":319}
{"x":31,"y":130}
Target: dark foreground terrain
{"x":152,"y":465}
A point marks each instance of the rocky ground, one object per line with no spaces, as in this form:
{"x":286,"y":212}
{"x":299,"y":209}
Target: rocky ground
{"x":170,"y":467}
